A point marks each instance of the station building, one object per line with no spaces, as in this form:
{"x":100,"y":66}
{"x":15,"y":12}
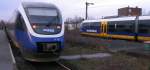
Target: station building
{"x":129,"y":11}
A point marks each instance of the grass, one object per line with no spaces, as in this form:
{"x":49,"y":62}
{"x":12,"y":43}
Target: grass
{"x":76,"y":44}
{"x":117,"y":62}
{"x":81,"y":50}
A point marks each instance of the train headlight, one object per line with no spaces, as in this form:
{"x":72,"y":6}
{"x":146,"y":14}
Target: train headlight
{"x":34,"y":26}
{"x":58,"y":27}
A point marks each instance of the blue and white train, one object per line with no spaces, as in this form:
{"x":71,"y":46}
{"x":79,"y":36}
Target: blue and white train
{"x":37,"y":29}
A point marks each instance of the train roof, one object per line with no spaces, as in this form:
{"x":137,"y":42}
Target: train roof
{"x":144,"y":18}
{"x":91,"y":21}
{"x":38,"y":4}
{"x":128,"y":18}
{"x":112,"y":19}
{"x":120,"y":19}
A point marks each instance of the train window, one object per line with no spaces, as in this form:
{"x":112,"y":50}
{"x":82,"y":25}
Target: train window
{"x":43,"y":16}
{"x":144,"y":26}
{"x":42,"y":12}
{"x":124,"y":27}
{"x":97,"y":24}
{"x":111,"y":27}
{"x":85,"y":24}
{"x":91,"y":24}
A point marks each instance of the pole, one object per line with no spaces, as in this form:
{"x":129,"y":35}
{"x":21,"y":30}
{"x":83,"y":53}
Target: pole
{"x":136,"y":28}
{"x":86,"y":11}
{"x":86,"y":14}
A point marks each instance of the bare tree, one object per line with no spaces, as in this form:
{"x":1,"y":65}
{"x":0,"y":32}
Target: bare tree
{"x":74,"y":22}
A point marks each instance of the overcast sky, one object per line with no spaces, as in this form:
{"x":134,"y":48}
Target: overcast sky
{"x":72,"y":8}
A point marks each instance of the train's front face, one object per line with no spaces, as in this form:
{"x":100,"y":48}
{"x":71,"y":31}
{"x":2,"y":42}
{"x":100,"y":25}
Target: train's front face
{"x":45,"y":35}
{"x":45,"y":21}
{"x":90,"y":28}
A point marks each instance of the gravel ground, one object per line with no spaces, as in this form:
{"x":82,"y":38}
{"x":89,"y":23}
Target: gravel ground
{"x":76,"y":44}
{"x":117,"y":62}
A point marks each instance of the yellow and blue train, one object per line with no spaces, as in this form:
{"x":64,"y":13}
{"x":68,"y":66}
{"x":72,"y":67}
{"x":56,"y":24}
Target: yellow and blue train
{"x":124,"y":28}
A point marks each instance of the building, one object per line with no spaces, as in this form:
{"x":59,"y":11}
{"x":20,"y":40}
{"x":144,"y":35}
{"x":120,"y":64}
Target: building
{"x":130,"y":11}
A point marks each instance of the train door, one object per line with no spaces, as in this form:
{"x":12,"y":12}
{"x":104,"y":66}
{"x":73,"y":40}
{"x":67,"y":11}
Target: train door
{"x":136,"y":28}
{"x":104,"y":28}
{"x":20,"y":31}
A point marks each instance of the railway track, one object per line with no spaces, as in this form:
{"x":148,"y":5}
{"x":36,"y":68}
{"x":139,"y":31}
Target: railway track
{"x":27,"y":65}
{"x":62,"y":65}
{"x":47,"y":66}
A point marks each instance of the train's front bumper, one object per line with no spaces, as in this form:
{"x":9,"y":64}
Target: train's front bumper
{"x":44,"y":49}
{"x":46,"y":52}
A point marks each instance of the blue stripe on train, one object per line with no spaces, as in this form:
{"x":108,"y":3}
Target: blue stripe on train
{"x":57,"y":39}
{"x":29,"y":43}
{"x":122,"y":33}
{"x":142,"y":34}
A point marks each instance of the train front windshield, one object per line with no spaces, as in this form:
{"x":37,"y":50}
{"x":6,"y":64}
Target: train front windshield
{"x":45,"y":20}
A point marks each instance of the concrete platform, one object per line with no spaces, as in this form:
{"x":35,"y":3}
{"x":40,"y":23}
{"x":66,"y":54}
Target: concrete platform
{"x":86,"y":56}
{"x":7,"y":61}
